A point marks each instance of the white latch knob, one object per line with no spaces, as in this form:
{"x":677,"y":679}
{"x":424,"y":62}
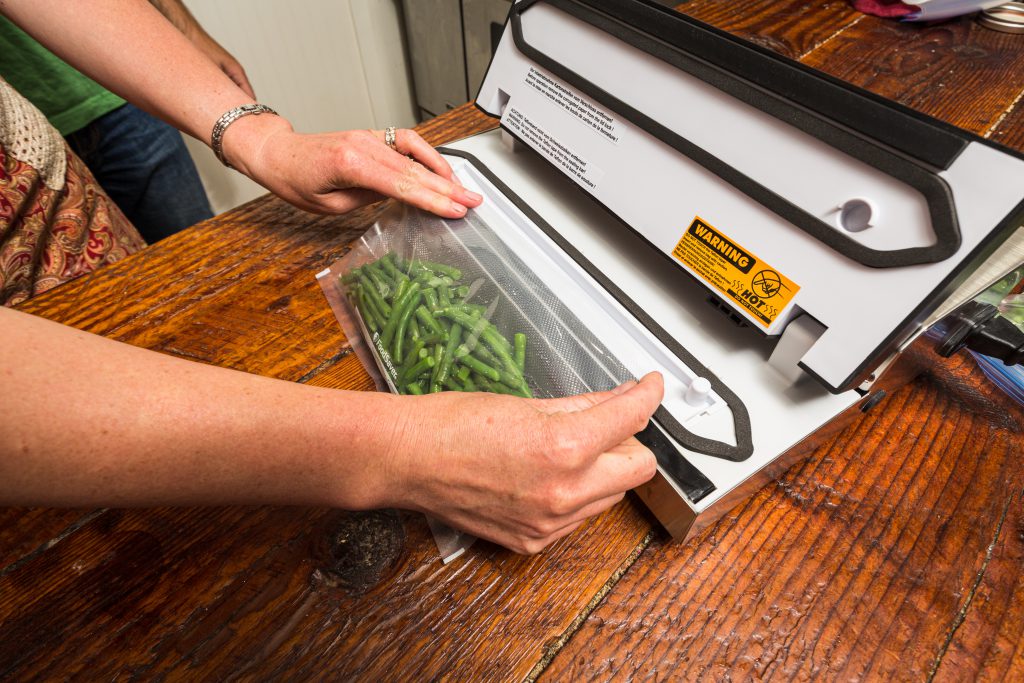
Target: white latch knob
{"x":698,"y":391}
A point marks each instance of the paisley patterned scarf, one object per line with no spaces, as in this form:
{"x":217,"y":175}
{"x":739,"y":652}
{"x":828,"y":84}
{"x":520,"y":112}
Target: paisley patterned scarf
{"x":56,"y":223}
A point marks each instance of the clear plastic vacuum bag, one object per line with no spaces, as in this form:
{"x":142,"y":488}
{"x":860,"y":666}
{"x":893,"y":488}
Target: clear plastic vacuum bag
{"x":431,"y":304}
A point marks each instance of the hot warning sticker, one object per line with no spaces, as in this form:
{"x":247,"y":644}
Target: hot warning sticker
{"x":753,"y":284}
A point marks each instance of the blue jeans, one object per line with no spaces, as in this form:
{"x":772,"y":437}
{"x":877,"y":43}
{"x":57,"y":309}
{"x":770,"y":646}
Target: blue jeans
{"x":143,"y":165}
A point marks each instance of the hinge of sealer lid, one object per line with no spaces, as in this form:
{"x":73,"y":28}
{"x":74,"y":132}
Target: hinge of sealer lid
{"x":797,"y":338}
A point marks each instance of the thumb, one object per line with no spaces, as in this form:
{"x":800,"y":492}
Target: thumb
{"x":572,"y":404}
{"x":603,"y":426}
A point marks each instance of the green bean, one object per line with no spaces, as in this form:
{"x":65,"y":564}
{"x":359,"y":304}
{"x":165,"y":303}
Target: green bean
{"x":476,"y":365}
{"x":430,"y":294}
{"x":370,"y":316}
{"x":391,"y":268}
{"x":433,"y":338}
{"x":401,"y":289}
{"x":428,"y":320}
{"x":514,"y":380}
{"x":416,"y":268}
{"x":416,"y":370}
{"x":374,"y":294}
{"x":411,"y":293}
{"x":520,"y":351}
{"x":502,"y":388}
{"x":403,"y":322}
{"x":428,"y":280}
{"x":442,"y":370}
{"x":475,"y":310}
{"x":499,"y":345}
{"x":375,"y":309}
{"x":453,"y":273}
{"x":418,"y":348}
{"x":378,"y":278}
{"x":397,"y":260}
{"x":420,"y":307}
{"x":483,"y":382}
{"x":483,"y":353}
{"x":453,"y":384}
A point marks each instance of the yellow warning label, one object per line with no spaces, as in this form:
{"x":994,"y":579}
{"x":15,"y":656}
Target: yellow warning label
{"x":729,"y":268}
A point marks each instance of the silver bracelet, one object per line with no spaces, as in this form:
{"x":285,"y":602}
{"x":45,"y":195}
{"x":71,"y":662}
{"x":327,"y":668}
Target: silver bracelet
{"x":229,"y":117}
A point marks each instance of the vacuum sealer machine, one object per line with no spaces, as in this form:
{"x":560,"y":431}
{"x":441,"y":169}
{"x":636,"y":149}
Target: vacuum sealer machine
{"x":648,"y":165}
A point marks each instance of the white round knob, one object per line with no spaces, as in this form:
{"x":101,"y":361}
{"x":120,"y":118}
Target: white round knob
{"x":698,"y":391}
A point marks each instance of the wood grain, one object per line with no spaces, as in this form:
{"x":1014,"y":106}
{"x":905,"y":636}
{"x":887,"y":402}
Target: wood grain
{"x":855,"y":565}
{"x":790,"y":27}
{"x":1009,"y":130}
{"x":957,"y":71}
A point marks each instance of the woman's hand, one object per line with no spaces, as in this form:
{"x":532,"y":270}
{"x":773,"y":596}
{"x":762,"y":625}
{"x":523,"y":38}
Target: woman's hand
{"x":338,"y":172}
{"x":520,"y":472}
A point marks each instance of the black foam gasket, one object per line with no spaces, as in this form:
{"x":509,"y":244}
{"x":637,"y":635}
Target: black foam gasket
{"x":852,"y":134}
{"x":741,"y":418}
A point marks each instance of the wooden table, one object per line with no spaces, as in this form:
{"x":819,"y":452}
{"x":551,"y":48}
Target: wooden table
{"x":895,"y":550}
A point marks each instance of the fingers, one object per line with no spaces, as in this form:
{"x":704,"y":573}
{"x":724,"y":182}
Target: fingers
{"x":343,"y":201}
{"x":572,"y":404}
{"x":427,"y":182}
{"x":242,"y":81}
{"x":623,"y":468}
{"x":409,"y":142}
{"x":587,"y":433}
{"x":553,"y":530}
{"x":453,"y":190}
{"x":589,"y":510}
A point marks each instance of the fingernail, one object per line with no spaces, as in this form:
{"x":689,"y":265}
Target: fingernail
{"x":458,"y":208}
{"x":474,"y":196}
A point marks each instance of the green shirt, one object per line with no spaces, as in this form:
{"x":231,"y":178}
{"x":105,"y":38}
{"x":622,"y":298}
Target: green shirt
{"x":68,"y":98}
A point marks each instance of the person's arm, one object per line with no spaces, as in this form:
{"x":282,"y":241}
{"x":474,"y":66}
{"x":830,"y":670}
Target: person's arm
{"x":131,"y":49}
{"x":176,"y":13}
{"x":129,"y":427}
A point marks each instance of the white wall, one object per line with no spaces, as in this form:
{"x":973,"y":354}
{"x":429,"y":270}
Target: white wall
{"x":323,"y":64}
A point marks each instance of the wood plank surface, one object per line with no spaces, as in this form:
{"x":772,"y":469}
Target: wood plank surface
{"x":957,"y":71}
{"x":857,"y":564}
{"x":894,"y":550}
{"x":1009,"y":130}
{"x":790,"y":27}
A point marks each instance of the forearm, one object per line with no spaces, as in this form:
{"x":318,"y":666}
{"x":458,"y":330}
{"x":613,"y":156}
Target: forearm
{"x":88,"y":421}
{"x":130,"y":48}
{"x":154,"y":66}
